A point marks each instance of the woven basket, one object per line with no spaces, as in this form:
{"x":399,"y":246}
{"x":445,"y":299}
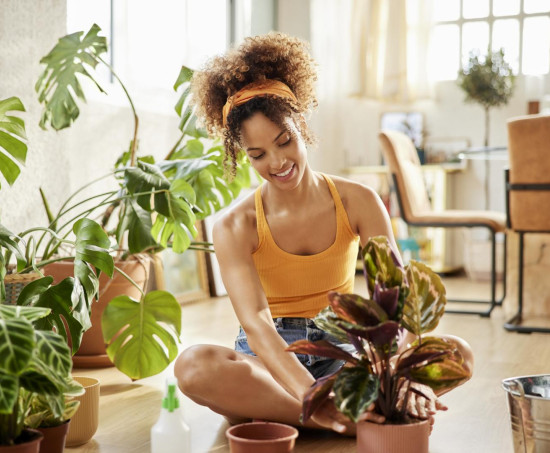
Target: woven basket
{"x":15,"y":284}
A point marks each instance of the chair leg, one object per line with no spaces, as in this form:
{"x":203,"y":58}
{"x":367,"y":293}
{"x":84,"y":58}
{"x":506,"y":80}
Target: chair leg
{"x":492,"y":302}
{"x":514,"y":324}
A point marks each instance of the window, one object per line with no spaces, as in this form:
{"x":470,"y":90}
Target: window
{"x":520,"y":27}
{"x":150,"y":41}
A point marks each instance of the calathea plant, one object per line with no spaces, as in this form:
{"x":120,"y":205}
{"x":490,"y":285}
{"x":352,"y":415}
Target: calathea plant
{"x":382,"y":370}
{"x":33,"y":362}
{"x":153,"y":205}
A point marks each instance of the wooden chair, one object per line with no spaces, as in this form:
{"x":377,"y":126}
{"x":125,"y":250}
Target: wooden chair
{"x":527,"y":192}
{"x":412,"y":196}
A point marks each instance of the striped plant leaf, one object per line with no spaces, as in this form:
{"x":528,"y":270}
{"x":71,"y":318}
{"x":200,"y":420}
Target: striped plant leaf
{"x":17,"y":343}
{"x":425,"y":303}
{"x":355,"y":389}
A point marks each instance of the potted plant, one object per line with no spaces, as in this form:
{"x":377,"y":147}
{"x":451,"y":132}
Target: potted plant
{"x":383,"y":371}
{"x":153,"y":205}
{"x":71,"y":298}
{"x":53,"y":425}
{"x":489,"y":81}
{"x":32,"y":362}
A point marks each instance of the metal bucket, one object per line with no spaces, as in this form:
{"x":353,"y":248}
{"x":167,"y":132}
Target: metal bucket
{"x":529,"y":404}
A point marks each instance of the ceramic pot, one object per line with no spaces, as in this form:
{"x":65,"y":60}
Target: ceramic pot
{"x":92,"y":352}
{"x":54,"y":438}
{"x":261,"y":437}
{"x":376,"y":438}
{"x":86,"y":419}
{"x":29,"y":443}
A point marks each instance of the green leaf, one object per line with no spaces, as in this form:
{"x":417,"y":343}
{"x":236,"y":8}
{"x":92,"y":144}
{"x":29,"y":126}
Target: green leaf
{"x":16,"y":345}
{"x":58,"y":86}
{"x":54,"y":352}
{"x":13,"y":150}
{"x":137,"y":222}
{"x":9,"y":386}
{"x":29,"y":313}
{"x":63,"y":314}
{"x":90,"y":249}
{"x":354,"y":391}
{"x":8,"y":241}
{"x":426,"y":301}
{"x":142,"y":336}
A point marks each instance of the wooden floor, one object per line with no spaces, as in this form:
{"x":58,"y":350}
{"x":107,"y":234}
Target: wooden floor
{"x":477,"y":419}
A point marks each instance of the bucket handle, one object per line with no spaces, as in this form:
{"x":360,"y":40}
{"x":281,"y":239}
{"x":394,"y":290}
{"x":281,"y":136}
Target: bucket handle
{"x":515,"y":387}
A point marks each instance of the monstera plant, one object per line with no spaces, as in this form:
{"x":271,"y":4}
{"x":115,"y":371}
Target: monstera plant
{"x":383,"y":371}
{"x":153,"y":205}
{"x":32,"y":362}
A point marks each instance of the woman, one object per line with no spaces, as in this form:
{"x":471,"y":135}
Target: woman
{"x":281,"y":249}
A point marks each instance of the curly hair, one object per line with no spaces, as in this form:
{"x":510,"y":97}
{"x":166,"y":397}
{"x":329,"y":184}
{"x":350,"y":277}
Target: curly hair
{"x":273,"y":56}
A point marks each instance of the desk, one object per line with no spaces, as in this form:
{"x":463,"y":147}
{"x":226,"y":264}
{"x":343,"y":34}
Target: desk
{"x":435,"y":243}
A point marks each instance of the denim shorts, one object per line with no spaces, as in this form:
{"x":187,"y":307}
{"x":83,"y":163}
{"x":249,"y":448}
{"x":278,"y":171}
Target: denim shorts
{"x":294,"y":329}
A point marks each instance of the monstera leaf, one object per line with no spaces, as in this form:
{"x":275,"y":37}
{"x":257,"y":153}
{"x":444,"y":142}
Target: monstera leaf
{"x":58,"y":85}
{"x":13,"y":151}
{"x":188,"y":120}
{"x":355,"y":389}
{"x":425,"y":303}
{"x":142,"y":335}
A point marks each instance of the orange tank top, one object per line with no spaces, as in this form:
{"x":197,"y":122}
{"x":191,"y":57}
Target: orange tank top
{"x":297,"y":285}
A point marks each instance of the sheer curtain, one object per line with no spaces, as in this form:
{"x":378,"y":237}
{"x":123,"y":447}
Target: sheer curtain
{"x":390,"y":41}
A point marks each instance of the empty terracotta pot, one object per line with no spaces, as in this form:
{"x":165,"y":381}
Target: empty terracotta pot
{"x":261,"y":437}
{"x":376,"y":438}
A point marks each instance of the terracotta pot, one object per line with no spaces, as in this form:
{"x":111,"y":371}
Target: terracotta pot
{"x":261,"y":437}
{"x":29,"y":442}
{"x":86,"y":419}
{"x":376,"y":438}
{"x":92,"y":352}
{"x":54,"y":438}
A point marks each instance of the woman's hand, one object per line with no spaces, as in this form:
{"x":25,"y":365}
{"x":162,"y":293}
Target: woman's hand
{"x":329,"y":416}
{"x":422,"y":407}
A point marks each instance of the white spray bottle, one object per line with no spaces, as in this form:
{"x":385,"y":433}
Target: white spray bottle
{"x":170,"y":434}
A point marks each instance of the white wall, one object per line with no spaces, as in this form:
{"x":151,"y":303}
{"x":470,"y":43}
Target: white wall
{"x":28,"y":30}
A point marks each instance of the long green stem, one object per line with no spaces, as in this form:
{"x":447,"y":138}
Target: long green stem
{"x":136,"y":119}
{"x":125,"y":275}
{"x":174,"y":148}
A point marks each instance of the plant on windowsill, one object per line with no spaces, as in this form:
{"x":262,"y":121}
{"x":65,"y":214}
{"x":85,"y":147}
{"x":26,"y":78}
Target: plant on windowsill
{"x":382,"y":370}
{"x":34,"y":363}
{"x":155,"y":206}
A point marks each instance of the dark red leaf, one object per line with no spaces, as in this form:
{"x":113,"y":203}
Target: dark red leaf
{"x":321,"y":348}
{"x":317,"y":395}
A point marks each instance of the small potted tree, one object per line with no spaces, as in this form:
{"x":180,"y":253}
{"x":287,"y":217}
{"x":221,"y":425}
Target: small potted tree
{"x":383,"y":371}
{"x":32,"y":362}
{"x":488,"y":81}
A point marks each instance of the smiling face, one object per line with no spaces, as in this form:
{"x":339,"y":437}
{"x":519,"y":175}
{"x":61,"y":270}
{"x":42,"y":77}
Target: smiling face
{"x":277,"y":153}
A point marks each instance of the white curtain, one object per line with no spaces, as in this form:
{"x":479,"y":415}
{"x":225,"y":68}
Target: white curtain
{"x":389,"y":43}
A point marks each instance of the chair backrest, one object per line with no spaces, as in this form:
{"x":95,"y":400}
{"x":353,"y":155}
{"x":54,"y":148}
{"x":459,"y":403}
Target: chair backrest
{"x":529,"y":154}
{"x":402,"y":159}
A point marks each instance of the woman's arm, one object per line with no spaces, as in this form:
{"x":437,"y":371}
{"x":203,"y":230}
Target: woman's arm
{"x":235,"y":239}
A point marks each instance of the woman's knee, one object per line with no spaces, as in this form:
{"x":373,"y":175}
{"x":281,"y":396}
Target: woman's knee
{"x":197,"y":366}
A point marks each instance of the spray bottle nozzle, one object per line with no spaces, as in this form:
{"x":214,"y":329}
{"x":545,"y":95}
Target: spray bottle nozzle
{"x":170,"y":401}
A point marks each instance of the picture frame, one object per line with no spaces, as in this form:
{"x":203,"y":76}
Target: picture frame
{"x":183,"y":274}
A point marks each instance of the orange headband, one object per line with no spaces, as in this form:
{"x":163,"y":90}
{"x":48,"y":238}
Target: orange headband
{"x":255,"y":89}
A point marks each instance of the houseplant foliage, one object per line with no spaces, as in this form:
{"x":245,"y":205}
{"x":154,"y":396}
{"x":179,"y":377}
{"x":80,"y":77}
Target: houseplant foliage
{"x":154,"y":205}
{"x":382,"y":371}
{"x":488,"y":81}
{"x":13,"y":149}
{"x":33,"y":363}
